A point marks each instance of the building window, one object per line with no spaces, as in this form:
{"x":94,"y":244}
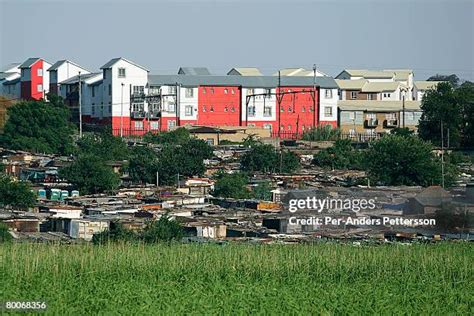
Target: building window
{"x":232,"y":109}
{"x":171,"y":124}
{"x":370,"y":116}
{"x":251,"y":111}
{"x":289,"y":127}
{"x":110,"y":89}
{"x":188,"y":110}
{"x":172,"y":89}
{"x":204,"y":108}
{"x":226,"y":91}
{"x":267,"y":126}
{"x":138,"y":124}
{"x":138,"y":89}
{"x":211,"y":109}
{"x":233,"y":91}
{"x":93,"y":109}
{"x":189,"y":92}
{"x":93,"y":91}
{"x":268,"y":93}
{"x":121,"y":72}
{"x":390,"y":116}
{"x":311,"y":109}
{"x":369,"y":96}
{"x":282,"y":109}
{"x":353,"y":95}
{"x":267,"y":111}
{"x":328,"y":94}
{"x":249,"y":91}
{"x":154,"y":125}
{"x":39,"y":88}
{"x":327,"y":111}
{"x":251,"y":125}
{"x":212,"y":90}
{"x":40,"y":72}
{"x":303,"y":109}
{"x":204,"y":91}
{"x":352,"y":115}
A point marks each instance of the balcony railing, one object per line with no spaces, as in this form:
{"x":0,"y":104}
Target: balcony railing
{"x":371,"y":123}
{"x":138,"y":114}
{"x":390,"y":123}
{"x":154,"y":114}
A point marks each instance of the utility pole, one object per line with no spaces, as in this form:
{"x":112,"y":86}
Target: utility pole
{"x":314,"y":95}
{"x":80,"y":105}
{"x":403,"y":108}
{"x":121,"y":113}
{"x":178,"y":180}
{"x":157,"y":179}
{"x":442,"y":155}
{"x":279,"y":103}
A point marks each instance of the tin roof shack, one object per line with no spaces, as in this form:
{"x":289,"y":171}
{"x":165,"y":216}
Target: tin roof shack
{"x":206,"y":230}
{"x":86,"y":228}
{"x":27,"y":225}
{"x":427,"y":201}
{"x":197,"y":187}
{"x":62,"y":211}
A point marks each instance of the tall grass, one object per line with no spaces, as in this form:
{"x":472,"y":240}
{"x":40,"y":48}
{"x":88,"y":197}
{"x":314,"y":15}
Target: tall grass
{"x":240,"y":279}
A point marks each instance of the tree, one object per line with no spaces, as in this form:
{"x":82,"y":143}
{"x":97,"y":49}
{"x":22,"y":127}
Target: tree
{"x":104,"y":146}
{"x":441,"y":106}
{"x":260,"y":157}
{"x":142,"y":165}
{"x":164,"y":229}
{"x":90,"y":175}
{"x":340,"y":156}
{"x":451,"y":218}
{"x":452,"y":79}
{"x":402,"y":131}
{"x":231,"y":186}
{"x":322,"y":133}
{"x":405,"y":160}
{"x":38,"y":126}
{"x":290,"y":162}
{"x":15,"y":194}
{"x":115,"y":232}
{"x":465,"y":97}
{"x":176,"y":137}
{"x":263,"y":191}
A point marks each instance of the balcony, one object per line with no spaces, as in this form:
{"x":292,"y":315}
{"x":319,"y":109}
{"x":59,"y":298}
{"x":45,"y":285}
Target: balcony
{"x":390,"y":123}
{"x":138,"y":97}
{"x":138,"y":115}
{"x":154,"y":114}
{"x":371,"y":123}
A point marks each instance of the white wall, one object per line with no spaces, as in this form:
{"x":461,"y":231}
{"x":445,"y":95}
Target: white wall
{"x":185,"y":101}
{"x":328,"y":102}
{"x":259,"y":102}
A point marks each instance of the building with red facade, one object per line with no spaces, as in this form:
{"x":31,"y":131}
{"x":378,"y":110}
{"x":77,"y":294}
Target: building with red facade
{"x":34,"y":83}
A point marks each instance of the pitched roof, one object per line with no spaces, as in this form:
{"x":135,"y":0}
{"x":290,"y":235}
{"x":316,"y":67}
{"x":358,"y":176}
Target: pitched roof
{"x":194,"y":71}
{"x":5,"y":75}
{"x":369,"y":74}
{"x":245,"y":71}
{"x":433,"y":196}
{"x":299,"y":72}
{"x":84,"y":77}
{"x":244,"y":81}
{"x":426,"y":85}
{"x":400,"y":74}
{"x":29,"y":62}
{"x":380,"y":86}
{"x":351,"y":84}
{"x":113,"y":61}
{"x":8,"y":67}
{"x":59,"y":63}
{"x":377,"y":105}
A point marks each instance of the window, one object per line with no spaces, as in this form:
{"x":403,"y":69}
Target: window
{"x":204,"y":91}
{"x":121,"y":72}
{"x":172,"y":89}
{"x":212,"y":90}
{"x":290,"y":109}
{"x":327,"y":111}
{"x":39,"y":88}
{"x":371,"y":116}
{"x":387,"y":95}
{"x":249,"y":91}
{"x":211,"y":109}
{"x":154,"y":125}
{"x":267,"y":111}
{"x":289,"y":127}
{"x":268,"y":93}
{"x":138,"y":124}
{"x":188,"y":110}
{"x":138,"y":89}
{"x":311,"y":109}
{"x":93,"y":91}
{"x":302,"y":128}
{"x":204,"y":109}
{"x":93,"y":109}
{"x":233,"y":91}
{"x":303,"y":109}
{"x":267,"y":126}
{"x":282,"y":109}
{"x":390,"y":116}
{"x":251,"y":111}
{"x":110,"y":89}
{"x":352,"y":115}
{"x":189,"y":92}
{"x":369,"y":96}
{"x":171,"y":124}
{"x":210,"y":141}
{"x":328,"y":94}
{"x":226,"y":91}
{"x":226,"y":109}
{"x":232,"y":109}
{"x":353,"y":95}
{"x":40,"y":72}
{"x":138,"y":107}
{"x":251,"y":125}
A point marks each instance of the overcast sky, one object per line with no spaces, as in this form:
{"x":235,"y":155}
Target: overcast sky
{"x":430,"y":37}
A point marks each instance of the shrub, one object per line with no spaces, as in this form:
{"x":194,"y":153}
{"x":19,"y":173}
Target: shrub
{"x":164,"y":229}
{"x":4,"y":233}
{"x":322,"y":133}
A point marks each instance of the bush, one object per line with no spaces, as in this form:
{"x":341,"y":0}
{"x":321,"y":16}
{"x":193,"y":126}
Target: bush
{"x":15,"y":194}
{"x":164,"y":229}
{"x":116,"y":232}
{"x":322,"y":133}
{"x":264,"y":158}
{"x":231,"y":186}
{"x":4,"y":233}
{"x":340,"y":156}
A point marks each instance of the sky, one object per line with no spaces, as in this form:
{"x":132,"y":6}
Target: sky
{"x":428,"y":36}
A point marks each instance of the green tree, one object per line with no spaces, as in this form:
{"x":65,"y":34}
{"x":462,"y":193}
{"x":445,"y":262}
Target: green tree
{"x":104,"y":146}
{"x":142,"y":165}
{"x":322,"y":133}
{"x":406,"y":160}
{"x":465,"y":97}
{"x":176,"y":137}
{"x":116,"y":232}
{"x":232,"y":186}
{"x":263,"y":191}
{"x":15,"y":194}
{"x":90,"y":175}
{"x":402,"y":131}
{"x":164,"y":229}
{"x":4,"y":233}
{"x":38,"y":126}
{"x":340,"y":156}
{"x":452,"y":79}
{"x":441,"y":105}
{"x":290,"y":162}
{"x":264,"y":158}
{"x":450,"y":218}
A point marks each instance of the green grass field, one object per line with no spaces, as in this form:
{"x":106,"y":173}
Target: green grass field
{"x":241,"y":279}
